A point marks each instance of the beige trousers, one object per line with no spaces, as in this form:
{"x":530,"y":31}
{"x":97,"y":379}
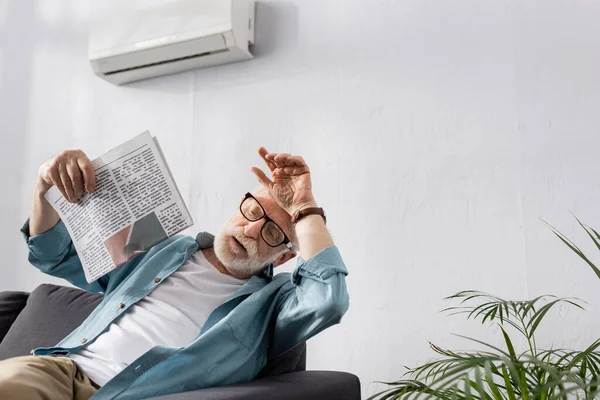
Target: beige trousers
{"x":43,"y":378}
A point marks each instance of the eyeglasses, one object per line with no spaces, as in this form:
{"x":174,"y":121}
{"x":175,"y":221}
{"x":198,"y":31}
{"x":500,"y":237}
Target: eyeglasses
{"x":271,"y":233}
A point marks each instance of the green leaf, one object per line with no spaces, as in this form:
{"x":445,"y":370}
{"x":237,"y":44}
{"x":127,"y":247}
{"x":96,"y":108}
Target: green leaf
{"x":480,"y":387}
{"x":509,"y":345}
{"x":509,"y":389}
{"x":491,"y":314}
{"x":467,"y":389}
{"x":584,"y":354}
{"x":573,"y":247}
{"x":524,"y":388}
{"x":489,"y":378}
{"x":483,"y":343}
{"x":539,"y":315}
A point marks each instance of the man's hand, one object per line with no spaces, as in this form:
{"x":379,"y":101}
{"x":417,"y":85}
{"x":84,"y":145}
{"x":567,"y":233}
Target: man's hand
{"x":291,"y":186}
{"x":292,"y":189}
{"x":71,"y":171}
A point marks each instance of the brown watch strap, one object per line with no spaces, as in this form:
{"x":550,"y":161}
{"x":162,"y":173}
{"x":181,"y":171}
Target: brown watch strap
{"x":298,"y":215}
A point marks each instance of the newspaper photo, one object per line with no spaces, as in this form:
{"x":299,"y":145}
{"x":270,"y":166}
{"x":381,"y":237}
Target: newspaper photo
{"x":136,"y":205}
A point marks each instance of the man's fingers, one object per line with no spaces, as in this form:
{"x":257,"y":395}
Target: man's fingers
{"x":291,"y":166}
{"x":66,"y":182}
{"x":285,"y":159}
{"x":262,"y":178}
{"x":76,"y":179}
{"x":89,"y":175}
{"x":293,"y":170}
{"x":55,"y":178}
{"x":262,"y":152}
{"x":296,"y":160}
{"x":280,"y":158}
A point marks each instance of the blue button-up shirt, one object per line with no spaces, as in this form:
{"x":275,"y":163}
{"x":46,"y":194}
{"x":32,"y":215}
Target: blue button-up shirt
{"x":266,"y":317}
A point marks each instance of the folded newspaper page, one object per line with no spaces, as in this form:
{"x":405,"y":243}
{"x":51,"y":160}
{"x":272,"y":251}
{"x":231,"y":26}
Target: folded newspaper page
{"x":136,"y":205}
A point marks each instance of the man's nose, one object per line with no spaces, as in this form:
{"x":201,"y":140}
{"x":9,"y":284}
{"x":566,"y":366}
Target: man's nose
{"x":252,"y":229}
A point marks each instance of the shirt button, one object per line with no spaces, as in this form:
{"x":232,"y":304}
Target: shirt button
{"x":156,"y":280}
{"x":83,"y":340}
{"x":121,"y":305}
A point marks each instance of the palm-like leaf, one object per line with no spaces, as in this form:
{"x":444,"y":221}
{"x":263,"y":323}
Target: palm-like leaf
{"x":497,"y":374}
{"x":592,"y":234}
{"x":525,"y":316}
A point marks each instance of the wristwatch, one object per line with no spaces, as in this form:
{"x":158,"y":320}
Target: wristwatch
{"x":298,"y":215}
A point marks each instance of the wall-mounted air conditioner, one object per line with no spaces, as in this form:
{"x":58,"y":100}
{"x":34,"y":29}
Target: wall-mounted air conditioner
{"x":175,"y":37}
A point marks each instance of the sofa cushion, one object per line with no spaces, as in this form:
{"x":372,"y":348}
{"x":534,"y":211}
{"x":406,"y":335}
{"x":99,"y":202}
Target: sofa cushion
{"x":11,"y":304}
{"x":51,"y":313}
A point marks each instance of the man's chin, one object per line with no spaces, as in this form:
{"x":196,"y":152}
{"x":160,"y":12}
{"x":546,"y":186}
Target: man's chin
{"x":224,"y":253}
{"x":236,"y":263}
{"x":239,"y":268}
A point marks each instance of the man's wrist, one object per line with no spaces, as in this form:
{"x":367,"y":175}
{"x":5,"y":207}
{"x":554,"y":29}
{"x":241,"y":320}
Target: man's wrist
{"x":309,"y":223}
{"x":41,"y":187}
{"x":312,"y":235}
{"x":302,"y":206}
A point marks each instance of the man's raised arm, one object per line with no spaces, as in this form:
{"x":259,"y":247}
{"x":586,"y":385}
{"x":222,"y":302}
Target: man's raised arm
{"x":50,"y":247}
{"x":320,"y":298}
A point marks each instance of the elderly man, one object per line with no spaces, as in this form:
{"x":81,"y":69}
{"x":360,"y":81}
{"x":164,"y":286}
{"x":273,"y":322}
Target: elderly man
{"x":187,"y":314}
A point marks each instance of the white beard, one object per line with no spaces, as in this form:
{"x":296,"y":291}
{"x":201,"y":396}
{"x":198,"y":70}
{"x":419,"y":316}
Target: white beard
{"x":243,"y":263}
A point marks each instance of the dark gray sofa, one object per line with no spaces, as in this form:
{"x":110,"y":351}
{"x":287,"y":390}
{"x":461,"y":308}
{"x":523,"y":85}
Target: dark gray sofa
{"x":46,"y":315}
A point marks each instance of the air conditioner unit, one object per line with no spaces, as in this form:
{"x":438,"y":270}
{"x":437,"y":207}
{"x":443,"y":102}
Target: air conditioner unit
{"x":174,"y":37}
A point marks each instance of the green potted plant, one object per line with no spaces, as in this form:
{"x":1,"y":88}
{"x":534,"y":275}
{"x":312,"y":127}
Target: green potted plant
{"x":502,"y":373}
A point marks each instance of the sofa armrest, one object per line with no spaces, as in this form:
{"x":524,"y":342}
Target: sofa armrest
{"x":11,"y":305}
{"x":323,"y":385}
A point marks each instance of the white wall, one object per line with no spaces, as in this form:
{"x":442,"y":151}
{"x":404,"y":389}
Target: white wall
{"x":438,"y":132}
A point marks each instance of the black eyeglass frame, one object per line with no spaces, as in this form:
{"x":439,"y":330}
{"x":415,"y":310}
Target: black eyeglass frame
{"x":285,"y":240}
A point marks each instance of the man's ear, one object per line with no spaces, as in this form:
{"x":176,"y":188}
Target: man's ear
{"x":285,"y":257}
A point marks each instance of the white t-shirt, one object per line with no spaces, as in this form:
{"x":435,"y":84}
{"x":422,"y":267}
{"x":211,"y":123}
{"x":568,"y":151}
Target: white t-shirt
{"x":171,"y":315}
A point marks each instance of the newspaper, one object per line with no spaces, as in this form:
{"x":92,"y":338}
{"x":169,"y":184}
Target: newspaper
{"x":136,"y":205}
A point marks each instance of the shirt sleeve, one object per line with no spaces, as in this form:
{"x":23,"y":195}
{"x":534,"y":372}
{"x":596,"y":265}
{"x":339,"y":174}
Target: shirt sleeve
{"x":319,"y":300}
{"x":53,"y":253}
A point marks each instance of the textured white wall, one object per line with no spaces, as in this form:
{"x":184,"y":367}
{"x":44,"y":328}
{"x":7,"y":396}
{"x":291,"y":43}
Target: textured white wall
{"x":438,"y":132}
